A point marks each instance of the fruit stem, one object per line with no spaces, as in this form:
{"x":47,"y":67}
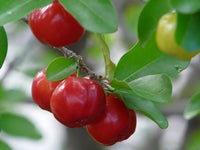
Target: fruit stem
{"x":81,"y":65}
{"x":109,"y":65}
{"x":25,"y":19}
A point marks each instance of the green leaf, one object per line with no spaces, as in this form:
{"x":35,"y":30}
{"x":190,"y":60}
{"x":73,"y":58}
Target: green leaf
{"x":157,"y":88}
{"x":187,"y":31}
{"x":193,"y":108}
{"x":94,"y":15}
{"x":12,"y":95}
{"x":60,"y":68}
{"x":17,"y":125}
{"x":149,"y":18}
{"x":4,"y":146}
{"x":139,"y":62}
{"x":3,"y":45}
{"x":11,"y":10}
{"x":186,"y":6}
{"x":146,"y":107}
{"x":119,"y":84}
{"x":193,"y":141}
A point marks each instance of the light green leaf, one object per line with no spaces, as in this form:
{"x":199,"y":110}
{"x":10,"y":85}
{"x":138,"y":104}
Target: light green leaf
{"x":119,"y":84}
{"x":17,"y":125}
{"x":193,"y":108}
{"x":3,"y":45}
{"x":60,"y":68}
{"x":144,"y":106}
{"x":94,"y":15}
{"x":157,"y":88}
{"x":12,"y":95}
{"x":11,"y":10}
{"x":186,"y":6}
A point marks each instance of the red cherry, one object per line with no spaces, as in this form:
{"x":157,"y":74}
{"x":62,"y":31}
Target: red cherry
{"x":116,"y":124}
{"x":78,"y":101}
{"x":54,"y":25}
{"x":42,"y":90}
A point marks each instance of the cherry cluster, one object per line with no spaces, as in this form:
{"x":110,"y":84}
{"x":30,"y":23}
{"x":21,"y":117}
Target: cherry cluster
{"x":74,"y":101}
{"x":79,"y":102}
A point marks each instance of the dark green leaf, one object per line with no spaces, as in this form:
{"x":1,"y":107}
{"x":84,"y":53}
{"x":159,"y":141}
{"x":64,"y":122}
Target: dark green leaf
{"x":146,"y":107}
{"x":4,"y":146}
{"x":139,"y":62}
{"x":187,"y":31}
{"x":186,"y":6}
{"x":60,"y":68}
{"x":149,"y":18}
{"x":19,"y":126}
{"x":3,"y":45}
{"x":119,"y":84}
{"x":11,"y":10}
{"x":157,"y":88}
{"x":193,"y":108}
{"x":94,"y":15}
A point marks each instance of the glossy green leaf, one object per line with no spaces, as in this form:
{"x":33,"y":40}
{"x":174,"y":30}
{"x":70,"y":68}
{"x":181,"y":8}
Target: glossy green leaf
{"x":4,"y":146}
{"x":149,"y":18}
{"x":193,"y":108}
{"x":187,"y":31}
{"x":119,"y":84}
{"x":157,"y":88}
{"x":11,"y":10}
{"x":17,"y":125}
{"x":60,"y":68}
{"x":144,"y":106}
{"x":139,"y":62}
{"x":94,"y":15}
{"x":3,"y":45}
{"x":186,"y":6}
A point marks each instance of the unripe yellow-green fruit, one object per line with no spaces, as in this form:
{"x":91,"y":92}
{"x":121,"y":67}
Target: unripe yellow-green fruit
{"x":165,"y":38}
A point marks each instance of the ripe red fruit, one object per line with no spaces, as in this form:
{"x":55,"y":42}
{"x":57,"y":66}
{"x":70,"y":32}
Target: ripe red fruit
{"x":77,"y":102}
{"x":54,"y":25}
{"x":42,"y":90}
{"x":116,"y":124}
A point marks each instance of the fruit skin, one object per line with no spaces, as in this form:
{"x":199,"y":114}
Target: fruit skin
{"x":165,"y":38}
{"x":77,"y":102}
{"x":53,"y":25}
{"x":116,"y":124}
{"x":42,"y":90}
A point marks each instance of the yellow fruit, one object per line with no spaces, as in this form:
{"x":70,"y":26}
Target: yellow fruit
{"x":165,"y":38}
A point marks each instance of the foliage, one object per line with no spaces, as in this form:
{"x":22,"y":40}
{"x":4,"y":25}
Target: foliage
{"x":142,"y":76}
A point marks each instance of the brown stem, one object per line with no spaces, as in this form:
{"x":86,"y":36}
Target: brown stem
{"x":25,"y":19}
{"x":70,"y":54}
